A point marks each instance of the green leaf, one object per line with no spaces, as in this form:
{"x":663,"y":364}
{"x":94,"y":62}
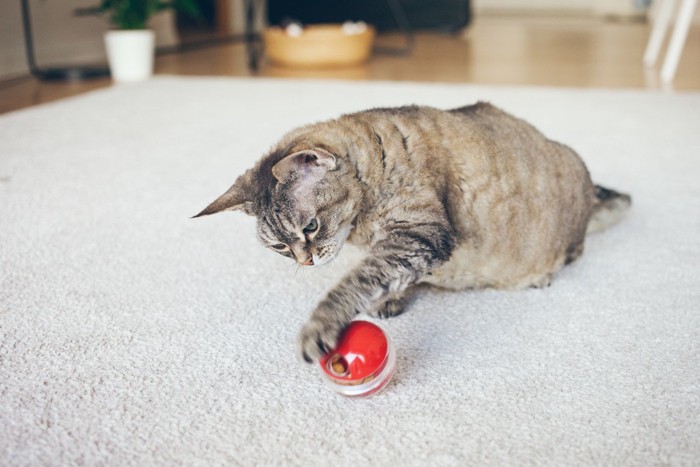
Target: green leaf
{"x":134,"y":14}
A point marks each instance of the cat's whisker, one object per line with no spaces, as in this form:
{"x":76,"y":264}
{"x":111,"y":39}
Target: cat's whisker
{"x":296,"y":271}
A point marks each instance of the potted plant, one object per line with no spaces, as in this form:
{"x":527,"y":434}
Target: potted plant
{"x":131,"y":45}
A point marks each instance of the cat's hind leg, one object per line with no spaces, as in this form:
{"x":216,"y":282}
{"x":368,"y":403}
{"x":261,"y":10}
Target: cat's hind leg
{"x":574,"y":251}
{"x":542,"y":281}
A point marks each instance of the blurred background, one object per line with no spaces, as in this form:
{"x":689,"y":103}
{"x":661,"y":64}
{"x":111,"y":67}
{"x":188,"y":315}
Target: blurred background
{"x":573,"y":43}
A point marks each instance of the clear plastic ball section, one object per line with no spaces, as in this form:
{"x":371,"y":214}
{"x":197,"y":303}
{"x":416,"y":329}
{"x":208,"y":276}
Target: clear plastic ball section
{"x":363,"y":362}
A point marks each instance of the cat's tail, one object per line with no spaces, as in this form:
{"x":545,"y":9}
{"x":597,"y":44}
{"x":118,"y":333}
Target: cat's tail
{"x":609,"y":208}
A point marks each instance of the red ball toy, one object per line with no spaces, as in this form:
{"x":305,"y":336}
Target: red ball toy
{"x":362,"y":363}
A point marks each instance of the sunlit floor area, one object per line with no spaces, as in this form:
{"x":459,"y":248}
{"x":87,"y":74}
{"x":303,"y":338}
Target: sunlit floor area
{"x":540,"y":51}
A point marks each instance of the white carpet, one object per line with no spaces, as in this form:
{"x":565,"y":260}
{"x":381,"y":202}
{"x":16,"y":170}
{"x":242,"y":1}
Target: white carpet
{"x":133,"y":335}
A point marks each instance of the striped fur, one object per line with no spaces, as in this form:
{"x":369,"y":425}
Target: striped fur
{"x":466,"y":198}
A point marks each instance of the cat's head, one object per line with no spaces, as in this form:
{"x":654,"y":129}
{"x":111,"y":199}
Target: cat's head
{"x":304,"y":211}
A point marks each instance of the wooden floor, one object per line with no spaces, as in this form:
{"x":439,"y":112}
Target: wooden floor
{"x":545,"y":51}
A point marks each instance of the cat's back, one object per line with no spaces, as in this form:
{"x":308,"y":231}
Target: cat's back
{"x":425,"y":140}
{"x":477,"y":143}
{"x":452,"y":133}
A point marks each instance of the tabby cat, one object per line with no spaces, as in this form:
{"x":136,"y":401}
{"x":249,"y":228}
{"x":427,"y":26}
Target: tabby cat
{"x":467,"y":198}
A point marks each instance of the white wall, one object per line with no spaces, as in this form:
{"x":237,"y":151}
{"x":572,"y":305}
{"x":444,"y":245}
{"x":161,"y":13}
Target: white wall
{"x":59,"y":36}
{"x":655,"y":7}
{"x":531,"y":5}
{"x":587,"y":7}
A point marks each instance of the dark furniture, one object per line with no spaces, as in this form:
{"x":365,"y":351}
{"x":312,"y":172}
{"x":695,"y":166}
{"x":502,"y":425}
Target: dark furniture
{"x":444,"y":15}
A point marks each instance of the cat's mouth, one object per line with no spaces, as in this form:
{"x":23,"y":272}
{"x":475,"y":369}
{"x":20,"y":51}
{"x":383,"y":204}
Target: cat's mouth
{"x":325,"y":257}
{"x":327,"y":253}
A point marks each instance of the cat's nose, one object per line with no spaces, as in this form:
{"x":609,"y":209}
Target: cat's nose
{"x":303,"y":256}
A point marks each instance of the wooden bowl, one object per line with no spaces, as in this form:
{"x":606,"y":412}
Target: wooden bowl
{"x":319,"y":46}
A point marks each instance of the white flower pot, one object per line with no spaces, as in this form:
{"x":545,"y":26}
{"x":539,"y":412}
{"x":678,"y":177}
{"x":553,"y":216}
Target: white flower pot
{"x":130,"y":54}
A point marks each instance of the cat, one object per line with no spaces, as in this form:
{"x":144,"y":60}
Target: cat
{"x":465,"y":198}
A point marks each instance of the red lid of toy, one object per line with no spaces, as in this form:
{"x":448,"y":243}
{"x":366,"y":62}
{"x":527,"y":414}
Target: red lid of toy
{"x":361,"y":352}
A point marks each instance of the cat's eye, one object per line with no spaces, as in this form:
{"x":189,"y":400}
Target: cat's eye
{"x":279,"y":246}
{"x":312,"y":227}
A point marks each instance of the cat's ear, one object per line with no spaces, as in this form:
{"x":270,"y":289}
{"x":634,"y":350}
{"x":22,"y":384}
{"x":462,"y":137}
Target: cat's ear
{"x":236,"y":198}
{"x":309,"y":162}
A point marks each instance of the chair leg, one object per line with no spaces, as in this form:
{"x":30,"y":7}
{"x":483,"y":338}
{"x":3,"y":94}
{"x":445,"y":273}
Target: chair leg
{"x":675,"y":47}
{"x":658,"y":32}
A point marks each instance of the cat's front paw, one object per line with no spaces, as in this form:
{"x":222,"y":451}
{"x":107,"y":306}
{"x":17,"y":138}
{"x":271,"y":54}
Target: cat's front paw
{"x":318,"y":337}
{"x":389,"y":308}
